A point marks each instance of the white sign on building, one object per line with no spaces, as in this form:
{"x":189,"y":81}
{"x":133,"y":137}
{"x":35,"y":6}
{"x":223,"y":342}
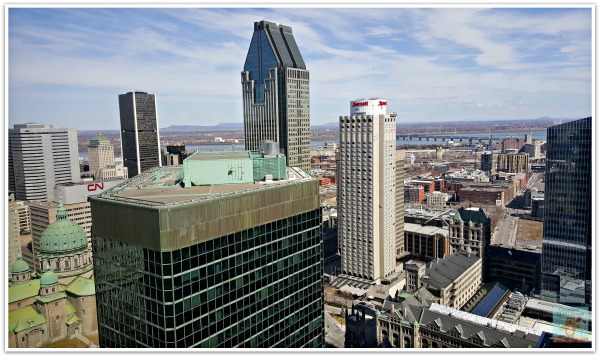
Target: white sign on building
{"x":372,"y":106}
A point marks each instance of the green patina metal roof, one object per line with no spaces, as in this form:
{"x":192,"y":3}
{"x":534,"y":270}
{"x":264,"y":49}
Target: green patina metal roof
{"x":475,"y":215}
{"x":21,"y":291}
{"x":71,"y":313}
{"x":51,"y":298}
{"x":82,"y":287}
{"x":62,"y":235}
{"x":96,"y":140}
{"x":48,"y":278}
{"x":20,"y":266}
{"x":24,"y":318}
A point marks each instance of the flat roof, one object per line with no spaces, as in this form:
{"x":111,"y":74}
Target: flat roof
{"x":425,"y":230}
{"x":148,"y":190}
{"x":219,"y":155}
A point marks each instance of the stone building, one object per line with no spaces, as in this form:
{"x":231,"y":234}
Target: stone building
{"x":419,"y":326}
{"x":60,"y":301}
{"x":470,"y":231}
{"x":453,"y":279}
{"x":42,"y":310}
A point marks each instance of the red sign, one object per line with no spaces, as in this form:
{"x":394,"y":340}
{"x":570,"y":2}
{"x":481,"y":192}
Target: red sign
{"x":359,"y":104}
{"x":381,"y":103}
{"x":95,"y":186}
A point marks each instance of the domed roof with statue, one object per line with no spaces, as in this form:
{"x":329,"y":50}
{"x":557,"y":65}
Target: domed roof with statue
{"x":62,"y":235}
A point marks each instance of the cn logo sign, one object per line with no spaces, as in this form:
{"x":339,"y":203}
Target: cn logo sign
{"x":95,"y":186}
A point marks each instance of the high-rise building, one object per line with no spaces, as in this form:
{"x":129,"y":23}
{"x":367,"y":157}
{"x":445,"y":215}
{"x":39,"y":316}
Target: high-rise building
{"x":400,"y":156}
{"x":140,"y":138}
{"x":237,"y":263}
{"x":275,"y":87}
{"x":41,"y":156}
{"x":367,"y":191}
{"x":567,"y":235}
{"x":101,"y":153}
{"x":14,"y":236}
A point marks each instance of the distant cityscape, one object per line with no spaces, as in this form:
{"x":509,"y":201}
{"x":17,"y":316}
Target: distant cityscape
{"x":366,"y":233}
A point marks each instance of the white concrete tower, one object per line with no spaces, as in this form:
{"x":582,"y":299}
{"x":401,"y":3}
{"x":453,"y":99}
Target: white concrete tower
{"x":367,"y":190}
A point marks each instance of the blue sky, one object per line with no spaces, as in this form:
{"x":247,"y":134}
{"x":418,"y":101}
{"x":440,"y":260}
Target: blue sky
{"x":67,"y":66}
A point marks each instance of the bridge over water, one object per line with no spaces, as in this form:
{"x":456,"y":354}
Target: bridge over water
{"x":443,"y":138}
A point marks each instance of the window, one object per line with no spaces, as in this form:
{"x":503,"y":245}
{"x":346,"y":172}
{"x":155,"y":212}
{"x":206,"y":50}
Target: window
{"x":57,"y":317}
{"x":83,"y":312}
{"x":56,"y":303}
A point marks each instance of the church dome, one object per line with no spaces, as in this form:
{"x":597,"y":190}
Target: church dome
{"x":20,"y":266}
{"x":62,"y":235}
{"x":49,"y":278}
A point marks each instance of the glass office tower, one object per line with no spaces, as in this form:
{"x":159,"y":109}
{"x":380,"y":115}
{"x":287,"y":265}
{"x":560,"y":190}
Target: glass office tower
{"x":275,"y":87}
{"x":224,"y":265}
{"x":140,"y":140}
{"x":567,"y":237}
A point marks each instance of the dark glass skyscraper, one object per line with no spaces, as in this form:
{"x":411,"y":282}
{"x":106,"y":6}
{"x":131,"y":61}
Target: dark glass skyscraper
{"x":221,"y":265}
{"x":140,"y":140}
{"x":567,"y":237}
{"x":275,"y":87}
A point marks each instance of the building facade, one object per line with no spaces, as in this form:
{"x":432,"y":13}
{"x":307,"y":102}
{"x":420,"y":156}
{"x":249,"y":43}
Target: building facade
{"x":454,"y":279}
{"x":241,"y":267}
{"x":567,"y":236}
{"x":426,"y":241}
{"x":14,"y":234}
{"x":413,"y":193}
{"x":41,"y":156}
{"x":437,"y":198}
{"x":276,"y":93}
{"x":367,"y":200}
{"x":442,"y":327}
{"x":60,"y":301}
{"x":470,"y":232}
{"x":140,"y":137}
{"x":512,"y":163}
{"x":400,"y":173}
{"x":101,"y":153}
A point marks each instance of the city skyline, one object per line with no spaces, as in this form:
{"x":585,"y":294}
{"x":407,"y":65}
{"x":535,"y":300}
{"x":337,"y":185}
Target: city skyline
{"x":436,"y":64}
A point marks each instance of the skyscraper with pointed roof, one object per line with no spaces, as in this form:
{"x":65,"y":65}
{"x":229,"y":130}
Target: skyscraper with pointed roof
{"x":275,"y":88}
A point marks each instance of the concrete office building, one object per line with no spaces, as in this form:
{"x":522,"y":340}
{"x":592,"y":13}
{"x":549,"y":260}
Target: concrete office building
{"x":14,"y":233}
{"x":275,"y":93}
{"x":41,"y":156}
{"x":140,"y":138}
{"x":210,"y":265}
{"x":567,"y":237}
{"x":428,"y":242}
{"x":437,"y":198}
{"x":101,"y":153}
{"x":367,"y":200}
{"x":400,"y":156}
{"x":101,"y":157}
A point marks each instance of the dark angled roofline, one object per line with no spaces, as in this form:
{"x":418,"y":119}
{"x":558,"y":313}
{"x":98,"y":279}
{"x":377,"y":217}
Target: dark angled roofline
{"x":283,"y":43}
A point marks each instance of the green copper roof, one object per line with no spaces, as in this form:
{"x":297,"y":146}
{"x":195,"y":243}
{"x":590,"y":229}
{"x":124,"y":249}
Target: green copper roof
{"x":20,"y":266}
{"x":96,"y":140}
{"x":62,"y":235}
{"x":475,"y":215}
{"x":24,"y":318}
{"x":51,"y":298}
{"x":82,"y":287}
{"x":71,"y":313}
{"x":18,"y":292}
{"x":457,"y":217}
{"x":48,"y":278}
